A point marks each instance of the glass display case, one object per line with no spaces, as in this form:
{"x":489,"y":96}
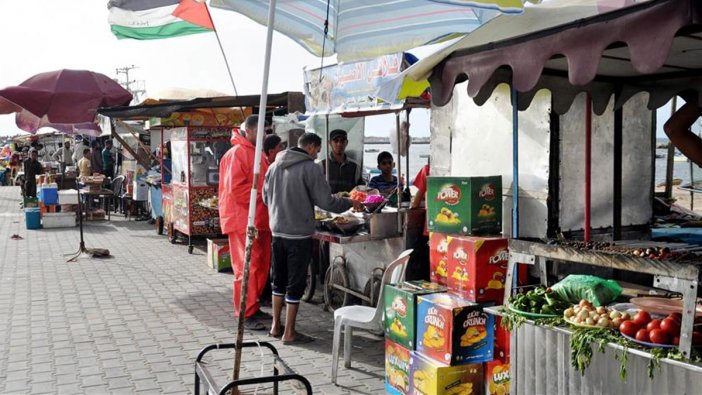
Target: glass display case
{"x":195,"y":156}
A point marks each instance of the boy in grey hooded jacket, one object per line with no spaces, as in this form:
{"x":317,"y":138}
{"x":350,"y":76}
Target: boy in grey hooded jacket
{"x":293,"y":185}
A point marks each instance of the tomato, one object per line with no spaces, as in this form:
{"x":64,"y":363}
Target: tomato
{"x":642,"y":335}
{"x":654,"y":324}
{"x":670,"y":326}
{"x":628,"y":328}
{"x":696,"y":338}
{"x":642,"y":318}
{"x":676,"y":317}
{"x":676,"y":340}
{"x":658,"y":336}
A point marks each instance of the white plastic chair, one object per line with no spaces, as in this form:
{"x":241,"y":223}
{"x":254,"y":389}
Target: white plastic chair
{"x":364,"y":317}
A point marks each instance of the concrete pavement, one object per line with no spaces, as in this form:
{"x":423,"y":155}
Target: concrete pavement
{"x":134,"y":323}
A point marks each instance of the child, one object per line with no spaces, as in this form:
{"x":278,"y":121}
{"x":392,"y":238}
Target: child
{"x":386,"y":183}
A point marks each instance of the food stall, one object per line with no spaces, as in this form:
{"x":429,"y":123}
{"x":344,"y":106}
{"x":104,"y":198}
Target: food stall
{"x":340,"y":96}
{"x":560,"y":224}
{"x":194,"y":135}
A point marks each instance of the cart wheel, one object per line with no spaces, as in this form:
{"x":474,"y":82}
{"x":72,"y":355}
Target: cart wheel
{"x":172,"y":235}
{"x":159,"y":225}
{"x":374,"y":284}
{"x":335,"y":298}
{"x":311,"y":284}
{"x":190,"y":249}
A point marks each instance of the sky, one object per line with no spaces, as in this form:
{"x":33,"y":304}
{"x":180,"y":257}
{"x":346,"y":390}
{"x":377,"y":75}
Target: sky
{"x":46,"y":35}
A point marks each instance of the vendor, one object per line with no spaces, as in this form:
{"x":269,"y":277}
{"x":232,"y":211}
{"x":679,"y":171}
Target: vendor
{"x":64,"y":155}
{"x":385,"y":182}
{"x":344,"y":172}
{"x":32,"y":168}
{"x":84,"y":166}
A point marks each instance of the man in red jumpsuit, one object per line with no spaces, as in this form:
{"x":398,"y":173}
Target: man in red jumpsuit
{"x":235,"y":182}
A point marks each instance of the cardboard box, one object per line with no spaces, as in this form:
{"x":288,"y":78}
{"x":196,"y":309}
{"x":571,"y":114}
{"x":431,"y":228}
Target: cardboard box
{"x":397,"y":365}
{"x":438,"y":257}
{"x":431,"y":378}
{"x":453,"y":330}
{"x":465,"y":205}
{"x":501,"y":340}
{"x":400,"y":310}
{"x":218,"y":255}
{"x":477,"y":267}
{"x":497,"y":377}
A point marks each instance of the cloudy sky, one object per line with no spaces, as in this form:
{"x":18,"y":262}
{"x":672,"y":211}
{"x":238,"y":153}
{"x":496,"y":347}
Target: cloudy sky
{"x":45,"y":35}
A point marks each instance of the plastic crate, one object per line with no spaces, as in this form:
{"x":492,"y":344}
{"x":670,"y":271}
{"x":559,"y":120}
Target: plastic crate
{"x":59,"y":220}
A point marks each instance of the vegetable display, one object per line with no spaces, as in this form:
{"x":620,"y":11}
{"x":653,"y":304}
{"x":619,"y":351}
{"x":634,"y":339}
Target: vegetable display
{"x":539,"y":301}
{"x":585,"y":314}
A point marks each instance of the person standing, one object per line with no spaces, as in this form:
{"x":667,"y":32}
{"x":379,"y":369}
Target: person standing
{"x":272,"y":146}
{"x":95,"y":157}
{"x":235,"y":184}
{"x":293,"y":185}
{"x":344,"y":172}
{"x":84,"y":169}
{"x":32,"y":168}
{"x":80,"y":145}
{"x":64,"y":155}
{"x":108,"y":160}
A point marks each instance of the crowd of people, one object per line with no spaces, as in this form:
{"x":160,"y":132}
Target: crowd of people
{"x":289,"y":187}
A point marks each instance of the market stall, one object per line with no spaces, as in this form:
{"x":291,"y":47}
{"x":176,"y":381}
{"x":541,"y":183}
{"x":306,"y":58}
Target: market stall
{"x":340,"y":96}
{"x":193,"y":134}
{"x":628,"y":61}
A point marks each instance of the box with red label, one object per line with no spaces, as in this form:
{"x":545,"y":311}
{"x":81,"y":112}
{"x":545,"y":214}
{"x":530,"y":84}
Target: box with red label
{"x":477,"y":267}
{"x":397,"y":369}
{"x":438,"y":257}
{"x":501,"y":340}
{"x":464,"y":205}
{"x":497,"y":377}
{"x":400,"y":303}
{"x":453,"y":330}
{"x":429,"y":377}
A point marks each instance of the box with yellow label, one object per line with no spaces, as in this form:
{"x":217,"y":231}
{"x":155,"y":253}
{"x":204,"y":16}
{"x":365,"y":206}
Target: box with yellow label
{"x":497,"y":377}
{"x":397,"y":361}
{"x":453,"y":330}
{"x":428,"y":377}
{"x":465,"y":205}
{"x":400,"y":310}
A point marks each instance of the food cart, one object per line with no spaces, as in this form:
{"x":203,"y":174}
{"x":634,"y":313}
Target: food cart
{"x":617,"y":148}
{"x":357,"y":254}
{"x":194,"y":135}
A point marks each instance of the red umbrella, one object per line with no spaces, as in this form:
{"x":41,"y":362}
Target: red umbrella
{"x":66,"y":100}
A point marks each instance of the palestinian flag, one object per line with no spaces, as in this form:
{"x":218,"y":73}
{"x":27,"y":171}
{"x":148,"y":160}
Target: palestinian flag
{"x":157,"y":19}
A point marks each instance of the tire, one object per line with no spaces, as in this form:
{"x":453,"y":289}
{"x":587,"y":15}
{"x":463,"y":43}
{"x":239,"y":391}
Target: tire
{"x":311,"y":284}
{"x":335,"y":298}
{"x":190,"y":249}
{"x":375,"y":283}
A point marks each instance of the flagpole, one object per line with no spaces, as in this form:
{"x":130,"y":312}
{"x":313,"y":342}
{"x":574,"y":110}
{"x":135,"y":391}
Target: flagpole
{"x":250,"y":228}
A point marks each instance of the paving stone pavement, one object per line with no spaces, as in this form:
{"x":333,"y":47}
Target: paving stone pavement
{"x":135,"y":322}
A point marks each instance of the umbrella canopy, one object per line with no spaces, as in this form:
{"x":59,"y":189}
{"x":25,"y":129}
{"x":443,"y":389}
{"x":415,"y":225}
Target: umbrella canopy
{"x":364,"y":29}
{"x":66,"y":100}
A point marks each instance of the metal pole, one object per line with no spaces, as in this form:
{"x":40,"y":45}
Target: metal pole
{"x":670,"y":158}
{"x":515,"y":176}
{"x":326,"y":146}
{"x":250,"y":228}
{"x":588,"y":158}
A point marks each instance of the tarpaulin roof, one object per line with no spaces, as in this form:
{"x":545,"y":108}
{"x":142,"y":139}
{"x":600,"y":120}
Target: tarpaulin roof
{"x":569,"y":46}
{"x":294,"y":101}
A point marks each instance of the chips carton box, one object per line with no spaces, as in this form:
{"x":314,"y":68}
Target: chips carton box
{"x":464,"y":205}
{"x":497,"y":377}
{"x":429,"y":377}
{"x":397,"y":369}
{"x":477,"y":267}
{"x":400,"y":310}
{"x":501,"y":340}
{"x":218,"y":255}
{"x":438,"y":257}
{"x":453,"y":330}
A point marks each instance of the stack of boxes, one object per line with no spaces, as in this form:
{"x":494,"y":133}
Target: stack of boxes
{"x":453,"y":346}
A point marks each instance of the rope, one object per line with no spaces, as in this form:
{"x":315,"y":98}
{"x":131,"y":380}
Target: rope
{"x":324,"y":40}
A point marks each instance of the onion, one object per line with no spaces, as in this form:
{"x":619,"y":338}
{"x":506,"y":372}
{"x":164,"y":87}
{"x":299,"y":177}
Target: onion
{"x":603,"y":322}
{"x":615,"y":314}
{"x":601,"y":310}
{"x":590,"y":321}
{"x":569,"y":312}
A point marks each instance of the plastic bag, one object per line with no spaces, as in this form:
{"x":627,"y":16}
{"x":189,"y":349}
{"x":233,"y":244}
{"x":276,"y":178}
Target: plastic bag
{"x":598,"y":291}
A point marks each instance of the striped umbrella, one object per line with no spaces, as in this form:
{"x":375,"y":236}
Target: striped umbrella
{"x":364,"y":29}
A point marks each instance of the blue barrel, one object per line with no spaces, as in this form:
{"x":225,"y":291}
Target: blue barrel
{"x":32,"y":218}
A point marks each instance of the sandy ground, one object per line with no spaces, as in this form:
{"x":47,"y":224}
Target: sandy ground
{"x":684,"y":199}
